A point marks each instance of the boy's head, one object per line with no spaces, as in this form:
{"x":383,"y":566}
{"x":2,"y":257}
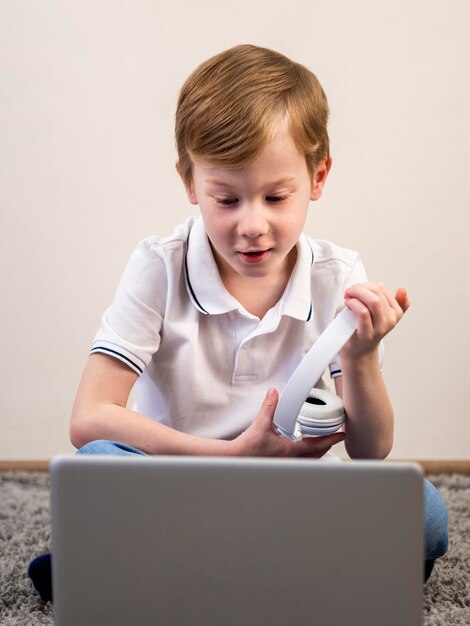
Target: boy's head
{"x":232,"y":105}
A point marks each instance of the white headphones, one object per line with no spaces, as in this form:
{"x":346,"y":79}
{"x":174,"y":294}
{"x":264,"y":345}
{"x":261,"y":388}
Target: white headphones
{"x":322,"y":413}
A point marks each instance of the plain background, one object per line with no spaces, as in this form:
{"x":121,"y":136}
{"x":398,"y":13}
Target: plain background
{"x":87,"y":99}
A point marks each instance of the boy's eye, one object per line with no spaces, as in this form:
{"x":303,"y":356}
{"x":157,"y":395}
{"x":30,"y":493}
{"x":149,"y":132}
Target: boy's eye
{"x":226,"y":201}
{"x":275,"y":199}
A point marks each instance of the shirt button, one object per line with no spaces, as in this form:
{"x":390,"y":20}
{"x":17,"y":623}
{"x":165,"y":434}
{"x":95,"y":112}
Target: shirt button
{"x":247,"y":344}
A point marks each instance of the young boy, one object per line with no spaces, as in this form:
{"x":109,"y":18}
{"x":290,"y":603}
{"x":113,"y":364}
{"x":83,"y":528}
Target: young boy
{"x":210,"y":322}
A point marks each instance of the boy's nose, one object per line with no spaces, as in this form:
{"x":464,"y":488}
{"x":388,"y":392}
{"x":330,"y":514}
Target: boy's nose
{"x":253,"y":222}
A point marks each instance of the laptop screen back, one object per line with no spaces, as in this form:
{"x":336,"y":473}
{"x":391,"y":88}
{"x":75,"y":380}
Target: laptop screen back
{"x":185,"y":541}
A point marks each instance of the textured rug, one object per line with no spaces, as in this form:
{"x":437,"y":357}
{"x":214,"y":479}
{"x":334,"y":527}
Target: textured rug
{"x":25,"y":533}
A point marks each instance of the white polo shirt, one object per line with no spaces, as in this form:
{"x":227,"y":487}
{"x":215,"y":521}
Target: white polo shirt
{"x":204,"y":362}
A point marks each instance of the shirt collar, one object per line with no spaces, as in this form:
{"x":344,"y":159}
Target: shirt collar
{"x":297,"y":298}
{"x":203,"y":282}
{"x":209,"y":295}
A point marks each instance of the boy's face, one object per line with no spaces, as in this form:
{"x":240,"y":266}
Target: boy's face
{"x":255,"y":215}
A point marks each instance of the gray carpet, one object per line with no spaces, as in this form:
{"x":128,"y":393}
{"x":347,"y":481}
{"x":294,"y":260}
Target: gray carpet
{"x":25,"y":533}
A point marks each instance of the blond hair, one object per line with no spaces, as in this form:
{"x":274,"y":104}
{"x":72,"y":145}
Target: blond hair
{"x":232,"y":104}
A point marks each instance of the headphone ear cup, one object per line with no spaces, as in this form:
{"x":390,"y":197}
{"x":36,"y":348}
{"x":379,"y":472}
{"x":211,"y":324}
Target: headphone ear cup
{"x":322,"y":413}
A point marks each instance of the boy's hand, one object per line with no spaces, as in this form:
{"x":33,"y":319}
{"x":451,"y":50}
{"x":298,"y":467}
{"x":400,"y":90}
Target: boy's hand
{"x":260,"y":438}
{"x":376,"y":311}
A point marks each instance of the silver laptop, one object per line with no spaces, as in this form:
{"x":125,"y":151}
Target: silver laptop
{"x":185,"y":541}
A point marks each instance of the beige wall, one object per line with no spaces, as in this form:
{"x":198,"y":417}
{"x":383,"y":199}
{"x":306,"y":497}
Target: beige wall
{"x":87,"y":99}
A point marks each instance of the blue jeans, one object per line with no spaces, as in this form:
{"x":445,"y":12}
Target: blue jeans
{"x":435,"y":510}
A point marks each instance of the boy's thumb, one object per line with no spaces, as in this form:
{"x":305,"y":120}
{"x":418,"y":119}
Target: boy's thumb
{"x":269,"y":404}
{"x":271,"y":397}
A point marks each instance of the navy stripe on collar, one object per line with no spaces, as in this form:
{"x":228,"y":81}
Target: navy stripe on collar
{"x":311,"y":250}
{"x":188,"y":283}
{"x":309,"y":316}
{"x":310,"y":311}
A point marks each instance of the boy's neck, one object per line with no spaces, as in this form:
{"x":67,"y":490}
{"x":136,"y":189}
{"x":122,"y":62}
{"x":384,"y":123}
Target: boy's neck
{"x":258,"y":294}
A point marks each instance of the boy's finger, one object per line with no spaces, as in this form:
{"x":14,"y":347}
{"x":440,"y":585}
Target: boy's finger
{"x":326,"y":441}
{"x":401,"y":297}
{"x":271,"y":397}
{"x":268,"y":407}
{"x":317,"y":446}
{"x":321,"y":443}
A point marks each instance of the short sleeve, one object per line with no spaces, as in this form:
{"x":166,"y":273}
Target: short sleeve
{"x":130,"y":327}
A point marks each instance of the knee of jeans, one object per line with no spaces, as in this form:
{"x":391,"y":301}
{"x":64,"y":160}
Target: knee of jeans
{"x":99,"y":446}
{"x":436,"y":520}
{"x":104,"y":447}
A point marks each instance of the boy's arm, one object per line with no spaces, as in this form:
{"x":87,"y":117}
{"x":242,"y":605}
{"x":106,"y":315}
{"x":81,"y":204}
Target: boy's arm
{"x":369,"y":413}
{"x":100,"y":412}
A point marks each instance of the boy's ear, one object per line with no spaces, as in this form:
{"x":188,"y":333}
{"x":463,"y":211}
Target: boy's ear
{"x":188,"y":186}
{"x":319,"y":178}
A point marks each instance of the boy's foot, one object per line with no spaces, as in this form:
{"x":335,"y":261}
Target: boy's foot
{"x":40,"y":572}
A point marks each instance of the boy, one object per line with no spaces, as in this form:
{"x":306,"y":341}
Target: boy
{"x":253,"y":151}
{"x":210,"y":322}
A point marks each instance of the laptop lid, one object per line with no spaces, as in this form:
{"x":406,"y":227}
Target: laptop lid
{"x":194,"y":541}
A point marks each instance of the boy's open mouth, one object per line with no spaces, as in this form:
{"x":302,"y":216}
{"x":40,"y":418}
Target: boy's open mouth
{"x":255,"y":256}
